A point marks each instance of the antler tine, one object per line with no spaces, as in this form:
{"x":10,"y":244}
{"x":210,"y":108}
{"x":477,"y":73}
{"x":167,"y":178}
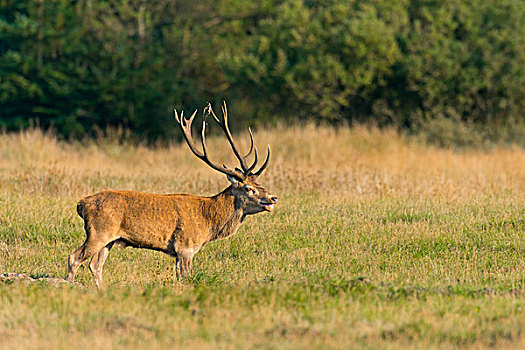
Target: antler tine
{"x":254,"y":161}
{"x":261,"y":169}
{"x":185,"y":125}
{"x":210,"y":111}
{"x":251,"y":144}
{"x":177,"y":119}
{"x":250,"y":168}
{"x":224,"y":126}
{"x":203,"y":141}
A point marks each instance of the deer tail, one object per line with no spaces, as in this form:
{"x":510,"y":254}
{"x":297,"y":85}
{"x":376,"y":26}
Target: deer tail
{"x":80,"y":208}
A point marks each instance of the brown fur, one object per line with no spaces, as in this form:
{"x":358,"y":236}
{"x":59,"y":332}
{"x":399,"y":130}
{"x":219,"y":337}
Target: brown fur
{"x":176,"y":224}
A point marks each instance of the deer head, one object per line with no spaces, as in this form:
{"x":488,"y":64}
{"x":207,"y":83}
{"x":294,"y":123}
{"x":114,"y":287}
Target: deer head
{"x":252,"y":197}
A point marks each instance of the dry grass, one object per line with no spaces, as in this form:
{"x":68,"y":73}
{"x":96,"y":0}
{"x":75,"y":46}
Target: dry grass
{"x":355,"y":161}
{"x":377,"y":242}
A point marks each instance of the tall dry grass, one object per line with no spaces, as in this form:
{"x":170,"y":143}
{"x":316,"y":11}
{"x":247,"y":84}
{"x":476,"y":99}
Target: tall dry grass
{"x":348,"y":161}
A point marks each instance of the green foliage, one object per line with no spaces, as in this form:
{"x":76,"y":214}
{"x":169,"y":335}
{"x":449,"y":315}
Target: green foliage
{"x":75,"y":67}
{"x":316,"y":59}
{"x":85,"y":65}
{"x":466,"y":60}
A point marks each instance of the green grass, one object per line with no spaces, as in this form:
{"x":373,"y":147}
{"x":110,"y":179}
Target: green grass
{"x":407,"y":261}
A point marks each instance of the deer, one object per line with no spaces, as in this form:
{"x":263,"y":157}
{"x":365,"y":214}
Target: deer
{"x":176,"y":224}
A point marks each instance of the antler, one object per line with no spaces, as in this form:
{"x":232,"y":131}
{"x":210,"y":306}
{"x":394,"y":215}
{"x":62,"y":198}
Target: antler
{"x":242,"y":160}
{"x":185,"y":125}
{"x":224,"y":126}
{"x":239,"y":174}
{"x":265,"y":164}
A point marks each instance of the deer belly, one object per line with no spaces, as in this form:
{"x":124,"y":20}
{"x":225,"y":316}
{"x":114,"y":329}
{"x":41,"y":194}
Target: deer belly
{"x":153,"y":241}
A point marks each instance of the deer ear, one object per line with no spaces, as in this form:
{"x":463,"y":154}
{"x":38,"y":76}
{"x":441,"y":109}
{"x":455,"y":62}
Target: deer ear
{"x":232,"y":179}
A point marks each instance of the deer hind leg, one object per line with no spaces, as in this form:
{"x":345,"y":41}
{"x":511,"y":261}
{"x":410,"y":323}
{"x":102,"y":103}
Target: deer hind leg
{"x":83,"y":253}
{"x":97,"y":264}
{"x":73,"y":263}
{"x":99,"y":234}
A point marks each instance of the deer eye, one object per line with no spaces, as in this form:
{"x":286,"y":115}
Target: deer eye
{"x":250,"y":191}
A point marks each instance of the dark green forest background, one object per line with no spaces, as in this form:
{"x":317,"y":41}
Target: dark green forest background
{"x":439,"y":67}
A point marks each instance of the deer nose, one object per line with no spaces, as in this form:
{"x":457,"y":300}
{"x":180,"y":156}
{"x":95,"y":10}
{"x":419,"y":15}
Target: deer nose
{"x":273,"y":199}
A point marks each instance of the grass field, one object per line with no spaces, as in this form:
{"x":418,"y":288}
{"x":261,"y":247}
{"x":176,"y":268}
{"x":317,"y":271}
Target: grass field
{"x":377,"y":242}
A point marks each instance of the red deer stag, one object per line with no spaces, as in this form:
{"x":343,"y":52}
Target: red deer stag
{"x":176,"y":224}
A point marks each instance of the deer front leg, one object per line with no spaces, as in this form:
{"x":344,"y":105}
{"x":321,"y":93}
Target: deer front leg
{"x":183,"y":261}
{"x":185,"y":265}
{"x":177,"y":267}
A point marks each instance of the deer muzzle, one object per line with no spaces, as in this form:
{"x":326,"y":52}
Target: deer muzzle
{"x":269,"y":206}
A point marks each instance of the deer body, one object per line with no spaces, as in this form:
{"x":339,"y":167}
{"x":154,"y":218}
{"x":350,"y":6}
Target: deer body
{"x":166,"y":223}
{"x":176,"y":224}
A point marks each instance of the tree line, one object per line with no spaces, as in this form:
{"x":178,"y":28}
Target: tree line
{"x":77,"y":66}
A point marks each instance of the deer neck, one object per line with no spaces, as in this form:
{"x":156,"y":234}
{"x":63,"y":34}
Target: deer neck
{"x":226,"y":212}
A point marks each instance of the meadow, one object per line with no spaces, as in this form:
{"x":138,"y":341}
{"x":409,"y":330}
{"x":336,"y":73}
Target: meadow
{"x":378,"y":241}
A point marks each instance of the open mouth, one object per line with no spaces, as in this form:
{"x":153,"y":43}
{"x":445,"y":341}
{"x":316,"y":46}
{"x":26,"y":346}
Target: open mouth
{"x":267,"y":206}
